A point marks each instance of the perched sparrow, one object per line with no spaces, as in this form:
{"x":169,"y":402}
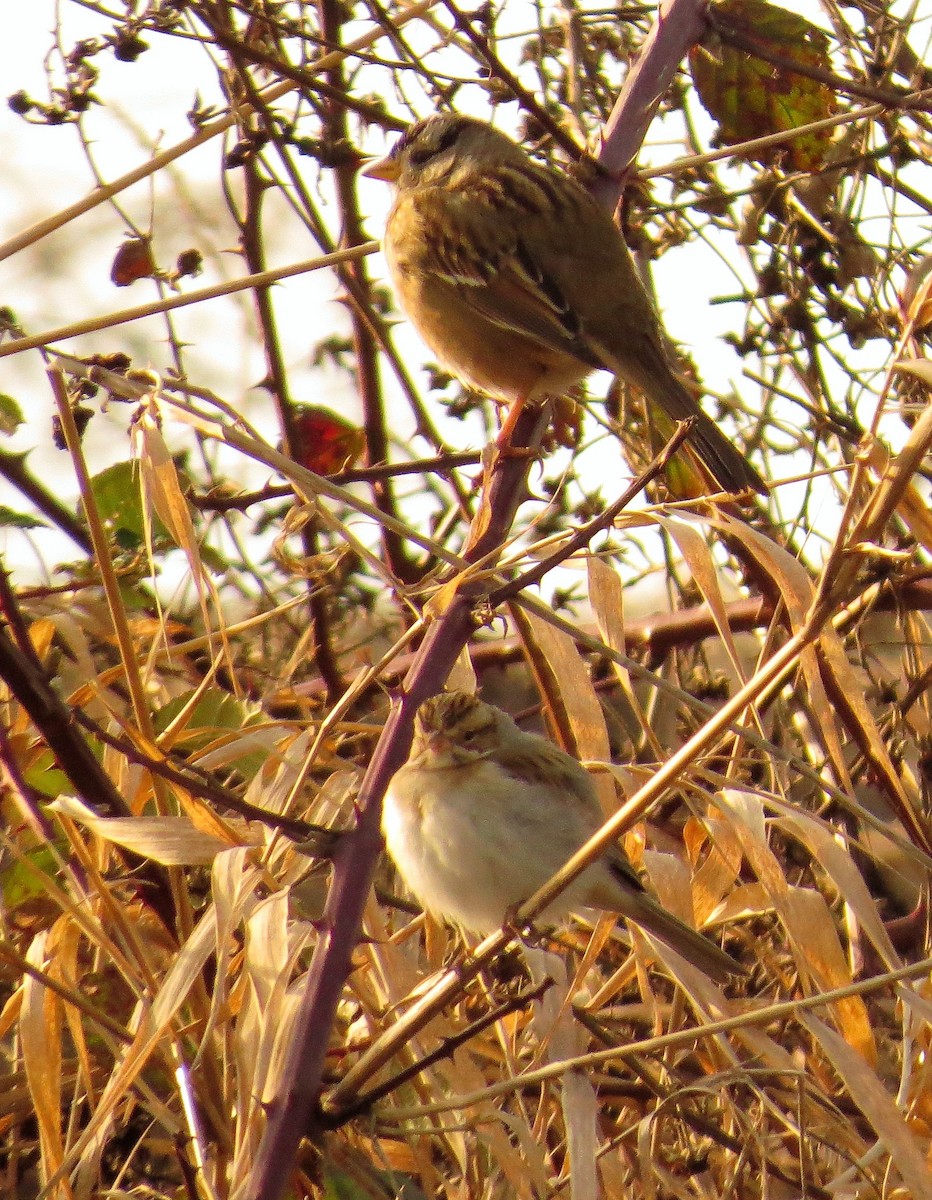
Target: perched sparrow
{"x":482,"y":814}
{"x":520,"y":282}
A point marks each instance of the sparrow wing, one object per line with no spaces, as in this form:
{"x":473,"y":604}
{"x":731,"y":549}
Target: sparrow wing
{"x":532,"y":760}
{"x":483,"y":241}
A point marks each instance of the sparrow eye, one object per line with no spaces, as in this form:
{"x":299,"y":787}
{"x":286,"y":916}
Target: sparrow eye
{"x":418,"y":155}
{"x":422,"y":151}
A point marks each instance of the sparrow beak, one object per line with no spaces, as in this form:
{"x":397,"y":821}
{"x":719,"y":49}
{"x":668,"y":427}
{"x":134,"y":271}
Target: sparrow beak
{"x":382,"y":168}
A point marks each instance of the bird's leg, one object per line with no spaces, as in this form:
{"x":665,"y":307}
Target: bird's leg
{"x":502,"y":446}
{"x":515,"y":410}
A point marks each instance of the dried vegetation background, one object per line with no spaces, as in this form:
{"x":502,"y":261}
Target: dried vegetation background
{"x":201,"y":678}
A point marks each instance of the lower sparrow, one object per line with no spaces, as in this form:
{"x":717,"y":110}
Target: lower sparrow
{"x":482,"y":814}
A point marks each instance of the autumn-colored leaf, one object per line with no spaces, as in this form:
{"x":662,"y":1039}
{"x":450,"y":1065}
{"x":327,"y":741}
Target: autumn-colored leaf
{"x":325,"y":443}
{"x":748,"y":85}
{"x":133,"y":261}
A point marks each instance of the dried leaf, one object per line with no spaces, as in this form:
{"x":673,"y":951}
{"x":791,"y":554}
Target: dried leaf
{"x":916,"y":298}
{"x":147,"y":1026}
{"x":40,"y":1031}
{"x":837,"y":862}
{"x":462,"y":676}
{"x":172,"y":841}
{"x":606,"y":595}
{"x":563,"y":1037}
{"x":564,"y":680}
{"x":872,"y":1098}
{"x":698,"y":557}
{"x":671,"y":879}
{"x":162,"y":488}
{"x":133,"y":261}
{"x":162,"y":493}
{"x":851,"y":698}
{"x":912,"y":506}
{"x":581,"y":1120}
{"x":798,"y":594}
{"x":715,"y":875}
{"x":809,"y":922}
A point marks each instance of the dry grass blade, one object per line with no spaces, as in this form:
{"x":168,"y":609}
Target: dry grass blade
{"x":806,"y":918}
{"x":838,"y":864}
{"x":40,"y":1029}
{"x":850,"y":702}
{"x":698,"y":557}
{"x":172,"y":841}
{"x":162,"y":495}
{"x":796,"y":591}
{"x":606,"y":595}
{"x":573,"y":709}
{"x":907,"y":1157}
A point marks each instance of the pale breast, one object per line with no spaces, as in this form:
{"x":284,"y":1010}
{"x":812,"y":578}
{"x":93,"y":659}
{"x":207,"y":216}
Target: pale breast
{"x":473,"y":842}
{"x":447,"y":846}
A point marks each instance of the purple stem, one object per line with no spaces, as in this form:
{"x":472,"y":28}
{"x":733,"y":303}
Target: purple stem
{"x":680,"y":24}
{"x":292,"y":1113}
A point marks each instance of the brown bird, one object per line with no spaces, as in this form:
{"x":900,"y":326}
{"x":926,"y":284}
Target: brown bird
{"x":521,"y":283}
{"x":482,"y":814}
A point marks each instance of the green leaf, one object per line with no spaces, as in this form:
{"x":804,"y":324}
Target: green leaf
{"x":11,"y":415}
{"x":341,"y":1185}
{"x":214,"y":713}
{"x":752,"y":95}
{"x":43,"y":775}
{"x":17,"y":520}
{"x":119,"y":502}
{"x":20,"y":885}
{"x":213,"y":560}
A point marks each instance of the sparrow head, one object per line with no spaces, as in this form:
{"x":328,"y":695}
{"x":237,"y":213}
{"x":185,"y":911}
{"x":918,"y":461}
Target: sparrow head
{"x":431,"y":149}
{"x":455,"y":727}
